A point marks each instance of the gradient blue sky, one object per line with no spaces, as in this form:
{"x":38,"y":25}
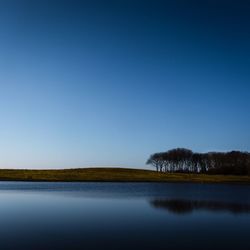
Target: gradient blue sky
{"x":90,"y":83}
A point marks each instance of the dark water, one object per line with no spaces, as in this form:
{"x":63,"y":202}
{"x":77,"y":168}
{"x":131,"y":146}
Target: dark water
{"x":123,"y":216}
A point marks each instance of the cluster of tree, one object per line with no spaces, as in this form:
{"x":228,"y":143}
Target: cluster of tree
{"x":186,"y":161}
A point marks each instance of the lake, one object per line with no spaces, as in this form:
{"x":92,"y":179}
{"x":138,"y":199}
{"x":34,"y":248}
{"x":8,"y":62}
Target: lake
{"x":45,"y":215}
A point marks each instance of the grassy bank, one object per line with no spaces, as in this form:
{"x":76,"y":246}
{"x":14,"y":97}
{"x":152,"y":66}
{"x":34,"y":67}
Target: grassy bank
{"x":115,"y":174}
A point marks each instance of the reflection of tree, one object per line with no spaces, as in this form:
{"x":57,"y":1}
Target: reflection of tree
{"x":188,"y":206}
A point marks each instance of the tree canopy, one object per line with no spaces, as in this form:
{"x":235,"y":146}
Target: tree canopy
{"x":186,"y":161}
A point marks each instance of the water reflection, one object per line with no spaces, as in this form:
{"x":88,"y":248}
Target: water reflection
{"x":188,"y":206}
{"x":76,"y":216}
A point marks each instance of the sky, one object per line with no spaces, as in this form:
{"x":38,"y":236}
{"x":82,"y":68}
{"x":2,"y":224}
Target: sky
{"x":107,"y":83}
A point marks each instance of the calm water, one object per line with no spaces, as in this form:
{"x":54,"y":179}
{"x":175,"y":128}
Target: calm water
{"x":123,"y":216}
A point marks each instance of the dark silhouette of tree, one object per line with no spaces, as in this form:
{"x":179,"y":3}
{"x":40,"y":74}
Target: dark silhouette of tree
{"x":156,"y":160}
{"x":186,"y":161}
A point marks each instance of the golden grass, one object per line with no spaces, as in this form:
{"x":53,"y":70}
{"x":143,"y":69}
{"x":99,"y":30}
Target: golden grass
{"x":115,"y":174}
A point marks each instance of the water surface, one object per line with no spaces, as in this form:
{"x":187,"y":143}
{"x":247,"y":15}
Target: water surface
{"x":40,"y":215}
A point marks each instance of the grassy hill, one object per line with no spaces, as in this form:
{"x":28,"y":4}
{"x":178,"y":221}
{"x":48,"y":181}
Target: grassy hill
{"x":115,"y":174}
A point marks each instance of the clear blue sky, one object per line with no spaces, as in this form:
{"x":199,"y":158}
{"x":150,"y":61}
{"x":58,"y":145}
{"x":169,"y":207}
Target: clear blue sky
{"x":90,"y":83}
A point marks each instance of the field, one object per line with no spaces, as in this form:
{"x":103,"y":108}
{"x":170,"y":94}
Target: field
{"x":115,"y":174}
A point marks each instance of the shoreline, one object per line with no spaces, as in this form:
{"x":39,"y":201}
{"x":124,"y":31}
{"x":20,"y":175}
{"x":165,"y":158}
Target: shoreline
{"x":115,"y":175}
